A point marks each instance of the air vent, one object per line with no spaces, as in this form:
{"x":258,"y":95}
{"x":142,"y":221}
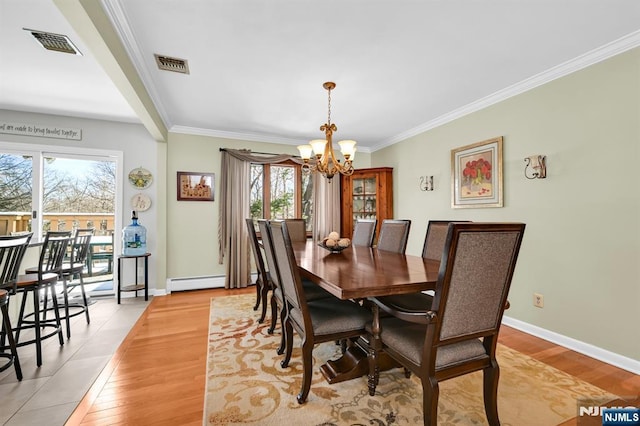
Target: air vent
{"x":167,"y":63}
{"x":55,"y":42}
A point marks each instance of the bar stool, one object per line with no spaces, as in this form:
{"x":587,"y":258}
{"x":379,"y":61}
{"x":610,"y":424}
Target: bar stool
{"x":75,"y":266}
{"x":12,"y":250}
{"x":49,"y":272}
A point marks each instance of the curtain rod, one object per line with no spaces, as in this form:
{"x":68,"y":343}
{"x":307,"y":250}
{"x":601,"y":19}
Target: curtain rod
{"x":261,"y":153}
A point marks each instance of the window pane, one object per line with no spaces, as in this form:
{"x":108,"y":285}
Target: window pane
{"x":15,"y":193}
{"x":282,"y":192}
{"x":307,"y":200}
{"x":256,"y":199}
{"x":78,"y":192}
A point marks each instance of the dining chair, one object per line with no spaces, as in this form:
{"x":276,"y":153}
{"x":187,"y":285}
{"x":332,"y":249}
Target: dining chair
{"x":297,"y":230}
{"x":364,"y":232}
{"x":322,"y":320}
{"x":12,"y":250}
{"x":432,"y":249}
{"x":41,"y":283}
{"x":459,"y":334}
{"x":263,"y":281}
{"x":311,"y":290}
{"x":394,"y":234}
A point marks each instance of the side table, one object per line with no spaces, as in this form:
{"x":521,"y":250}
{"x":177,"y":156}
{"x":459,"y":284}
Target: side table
{"x":136,"y":286}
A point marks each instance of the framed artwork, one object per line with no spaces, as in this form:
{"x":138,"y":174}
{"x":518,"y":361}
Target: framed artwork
{"x":476,"y":175}
{"x":195,"y":186}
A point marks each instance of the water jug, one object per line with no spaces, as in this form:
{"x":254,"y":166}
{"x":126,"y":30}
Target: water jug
{"x":134,"y":238}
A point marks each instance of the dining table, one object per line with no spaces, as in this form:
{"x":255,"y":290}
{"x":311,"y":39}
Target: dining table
{"x":358,"y":273}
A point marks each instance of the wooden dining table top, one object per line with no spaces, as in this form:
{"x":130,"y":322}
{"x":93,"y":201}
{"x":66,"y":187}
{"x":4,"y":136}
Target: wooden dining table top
{"x":359,"y":272}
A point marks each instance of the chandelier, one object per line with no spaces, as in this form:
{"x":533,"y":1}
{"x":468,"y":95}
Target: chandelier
{"x":326,"y":162}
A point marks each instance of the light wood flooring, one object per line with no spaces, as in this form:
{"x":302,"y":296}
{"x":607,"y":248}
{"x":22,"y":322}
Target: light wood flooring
{"x":157,"y":376}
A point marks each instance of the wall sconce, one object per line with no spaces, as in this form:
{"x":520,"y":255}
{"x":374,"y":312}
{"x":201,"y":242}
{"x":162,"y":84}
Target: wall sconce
{"x":426,"y":183}
{"x":535,"y":167}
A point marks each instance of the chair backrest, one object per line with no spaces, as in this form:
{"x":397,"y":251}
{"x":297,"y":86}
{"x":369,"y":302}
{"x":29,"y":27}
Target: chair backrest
{"x":297,"y":230}
{"x":436,"y":238}
{"x":257,"y":253}
{"x":394,"y":235}
{"x":269,"y":254}
{"x":364,"y":232}
{"x":474,"y":279}
{"x":12,"y":250}
{"x":54,"y":249}
{"x":288,"y":273}
{"x":81,"y":244}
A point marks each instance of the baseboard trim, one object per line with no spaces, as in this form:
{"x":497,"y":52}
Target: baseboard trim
{"x":588,"y":349}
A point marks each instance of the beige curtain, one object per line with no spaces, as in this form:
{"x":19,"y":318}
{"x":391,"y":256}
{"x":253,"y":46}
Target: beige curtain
{"x":233,"y":236}
{"x":326,"y":206}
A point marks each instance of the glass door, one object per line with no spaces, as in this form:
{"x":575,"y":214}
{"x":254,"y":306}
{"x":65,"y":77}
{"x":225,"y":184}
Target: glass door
{"x":364,"y":198}
{"x":79,"y":193}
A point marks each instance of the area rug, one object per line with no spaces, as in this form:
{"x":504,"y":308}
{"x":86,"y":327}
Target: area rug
{"x":246,"y":385}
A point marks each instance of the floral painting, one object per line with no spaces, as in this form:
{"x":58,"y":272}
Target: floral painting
{"x":476,"y":175}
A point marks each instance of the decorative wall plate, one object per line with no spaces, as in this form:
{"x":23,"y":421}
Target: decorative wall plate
{"x":140,"y":178}
{"x":140,"y":202}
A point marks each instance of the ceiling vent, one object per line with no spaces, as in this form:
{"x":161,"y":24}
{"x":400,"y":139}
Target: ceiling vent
{"x":168,"y":63}
{"x":55,"y":42}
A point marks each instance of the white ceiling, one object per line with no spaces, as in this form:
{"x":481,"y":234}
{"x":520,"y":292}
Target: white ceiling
{"x":257,"y":66}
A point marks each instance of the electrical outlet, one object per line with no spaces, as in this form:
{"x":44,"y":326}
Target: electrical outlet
{"x":538,"y":300}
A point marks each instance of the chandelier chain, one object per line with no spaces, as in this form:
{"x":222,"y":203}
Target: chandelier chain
{"x":329,"y":114}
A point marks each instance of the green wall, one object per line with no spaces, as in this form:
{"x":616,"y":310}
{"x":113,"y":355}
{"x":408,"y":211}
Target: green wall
{"x":581,"y":248}
{"x":193,"y":226}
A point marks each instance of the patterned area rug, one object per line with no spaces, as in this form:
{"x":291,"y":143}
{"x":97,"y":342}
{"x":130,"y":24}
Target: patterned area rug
{"x":246,"y":385}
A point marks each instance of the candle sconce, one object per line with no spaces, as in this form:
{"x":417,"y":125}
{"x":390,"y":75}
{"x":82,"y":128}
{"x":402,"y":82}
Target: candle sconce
{"x":535,"y":167}
{"x":426,"y":183}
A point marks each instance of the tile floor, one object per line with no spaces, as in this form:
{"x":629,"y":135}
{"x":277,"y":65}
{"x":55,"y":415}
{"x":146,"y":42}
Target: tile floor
{"x":49,"y":394}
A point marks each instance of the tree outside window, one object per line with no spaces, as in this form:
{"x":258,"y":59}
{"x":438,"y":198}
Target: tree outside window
{"x":281,"y":191}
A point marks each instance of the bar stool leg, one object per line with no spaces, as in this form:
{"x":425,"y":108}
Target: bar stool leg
{"x":6,"y":325}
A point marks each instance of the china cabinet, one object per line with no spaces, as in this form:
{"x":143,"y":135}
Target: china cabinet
{"x":366,"y":194}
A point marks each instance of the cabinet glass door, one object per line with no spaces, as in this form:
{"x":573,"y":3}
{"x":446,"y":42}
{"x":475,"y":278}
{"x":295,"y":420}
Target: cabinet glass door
{"x":364,"y":198}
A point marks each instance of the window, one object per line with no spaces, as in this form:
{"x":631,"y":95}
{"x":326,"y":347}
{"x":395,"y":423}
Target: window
{"x":53,"y":191}
{"x":281,"y":191}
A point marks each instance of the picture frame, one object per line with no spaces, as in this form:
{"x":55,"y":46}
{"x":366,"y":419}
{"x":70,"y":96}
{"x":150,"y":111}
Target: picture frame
{"x":476,"y":175}
{"x":195,"y":186}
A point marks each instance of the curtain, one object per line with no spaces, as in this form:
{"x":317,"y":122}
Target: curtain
{"x":326,"y":206}
{"x":233,"y":237}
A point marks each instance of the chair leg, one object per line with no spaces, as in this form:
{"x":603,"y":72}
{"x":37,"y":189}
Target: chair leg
{"x":288,"y":338}
{"x":6,"y":328}
{"x":84,"y":299}
{"x":21,"y":315}
{"x":274,"y":315}
{"x":264,"y":291}
{"x":65,"y":295}
{"x":374,"y":371}
{"x":283,"y":329}
{"x":258,"y":291}
{"x":430,"y":394}
{"x":490,"y":379}
{"x":36,"y":328}
{"x":307,"y":366}
{"x":56,"y":313}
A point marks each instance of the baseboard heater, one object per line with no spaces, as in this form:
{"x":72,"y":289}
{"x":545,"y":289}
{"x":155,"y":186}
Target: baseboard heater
{"x":198,"y":283}
{"x":195,"y":283}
